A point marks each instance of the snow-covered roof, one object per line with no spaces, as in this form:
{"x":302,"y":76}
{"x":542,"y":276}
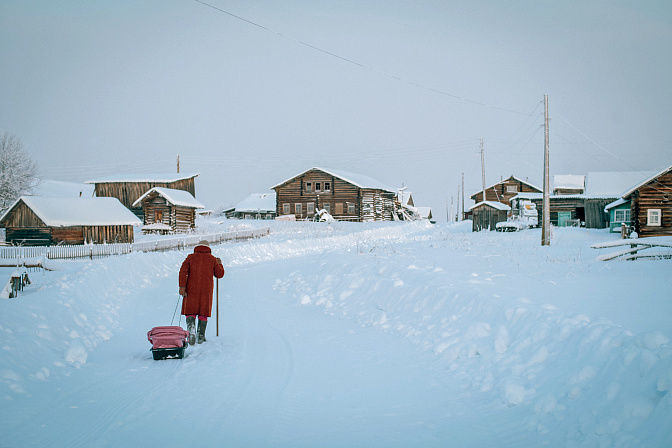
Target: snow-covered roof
{"x":493,"y":204}
{"x":161,"y":177}
{"x":616,"y":203}
{"x":613,"y":184}
{"x":61,"y":189}
{"x":425,"y":212}
{"x":528,"y":196}
{"x":65,"y":212}
{"x":646,"y":181}
{"x":257,"y":202}
{"x":175,"y":197}
{"x":569,"y":181}
{"x":358,"y":180}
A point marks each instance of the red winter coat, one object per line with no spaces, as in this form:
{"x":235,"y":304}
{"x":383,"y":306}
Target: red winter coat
{"x":196,"y":275}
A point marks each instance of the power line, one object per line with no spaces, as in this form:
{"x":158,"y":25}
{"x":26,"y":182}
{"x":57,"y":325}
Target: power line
{"x":359,"y":64}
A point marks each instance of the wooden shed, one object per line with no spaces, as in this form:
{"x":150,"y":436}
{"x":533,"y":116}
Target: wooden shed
{"x":486,"y":215}
{"x":504,"y":190}
{"x":651,"y":205}
{"x":129,"y":187}
{"x":40,"y":221}
{"x":345,"y":196}
{"x":175,"y":209}
{"x":255,"y":206}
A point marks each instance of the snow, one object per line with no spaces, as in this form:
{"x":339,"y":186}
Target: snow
{"x":257,"y":202}
{"x":157,"y":177}
{"x":359,"y":180}
{"x":493,"y":204}
{"x":349,"y":334}
{"x":63,"y":212}
{"x":569,"y":181}
{"x":613,"y":184}
{"x":61,"y":189}
{"x":173,"y":196}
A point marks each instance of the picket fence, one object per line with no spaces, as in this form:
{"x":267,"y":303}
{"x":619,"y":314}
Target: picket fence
{"x":105,"y":250}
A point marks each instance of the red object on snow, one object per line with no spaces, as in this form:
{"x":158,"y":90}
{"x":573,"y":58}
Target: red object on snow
{"x":168,"y":341}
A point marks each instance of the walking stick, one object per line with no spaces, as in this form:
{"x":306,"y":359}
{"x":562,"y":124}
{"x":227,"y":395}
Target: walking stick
{"x":217,"y":308}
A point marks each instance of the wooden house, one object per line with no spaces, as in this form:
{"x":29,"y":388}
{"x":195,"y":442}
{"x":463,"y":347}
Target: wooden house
{"x":168,"y":210}
{"x":129,"y":187}
{"x":255,"y":206}
{"x":591,"y":208}
{"x":40,"y":221}
{"x":486,"y":215}
{"x":566,"y":184}
{"x":345,"y":196}
{"x":504,"y":190}
{"x":619,"y":214}
{"x":651,"y":205}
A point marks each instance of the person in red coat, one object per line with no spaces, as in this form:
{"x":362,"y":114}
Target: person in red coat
{"x":196,"y":284}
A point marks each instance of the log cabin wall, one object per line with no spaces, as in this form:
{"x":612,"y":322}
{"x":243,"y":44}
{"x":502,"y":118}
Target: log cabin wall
{"x":486,"y":218}
{"x":656,"y":195}
{"x":129,"y":192}
{"x":180,"y":219}
{"x":22,"y":226}
{"x":504,"y":191}
{"x":306,"y":194}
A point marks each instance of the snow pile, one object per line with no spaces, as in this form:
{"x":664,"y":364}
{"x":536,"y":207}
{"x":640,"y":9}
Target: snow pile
{"x":335,"y":334}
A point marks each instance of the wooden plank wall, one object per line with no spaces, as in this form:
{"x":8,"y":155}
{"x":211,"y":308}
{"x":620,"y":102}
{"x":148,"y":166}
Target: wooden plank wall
{"x":180,"y":219}
{"x":499,"y":193}
{"x":655,"y":195}
{"x":129,"y":192}
{"x":486,"y":218}
{"x":295,"y":192}
{"x":23,"y":216}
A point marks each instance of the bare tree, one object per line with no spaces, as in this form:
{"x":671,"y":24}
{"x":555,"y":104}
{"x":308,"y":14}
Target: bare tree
{"x":18,"y":172}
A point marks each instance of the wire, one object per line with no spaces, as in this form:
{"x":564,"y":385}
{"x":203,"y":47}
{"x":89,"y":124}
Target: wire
{"x":359,"y":64}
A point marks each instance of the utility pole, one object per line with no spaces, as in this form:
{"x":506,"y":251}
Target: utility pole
{"x":462,"y":197}
{"x":483,"y":168}
{"x":178,"y":163}
{"x":546,"y":213}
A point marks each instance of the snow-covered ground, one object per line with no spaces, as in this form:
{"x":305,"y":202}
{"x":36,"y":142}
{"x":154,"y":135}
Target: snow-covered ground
{"x":345,"y":334}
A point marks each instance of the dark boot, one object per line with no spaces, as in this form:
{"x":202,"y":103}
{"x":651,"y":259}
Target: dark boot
{"x":191,"y":328}
{"x":201,"y":330}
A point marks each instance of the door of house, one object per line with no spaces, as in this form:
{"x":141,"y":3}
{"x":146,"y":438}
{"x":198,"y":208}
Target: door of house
{"x":563,"y":217}
{"x":158,"y":216}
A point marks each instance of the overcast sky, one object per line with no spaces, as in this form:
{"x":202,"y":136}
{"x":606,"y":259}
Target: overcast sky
{"x":251,"y":93}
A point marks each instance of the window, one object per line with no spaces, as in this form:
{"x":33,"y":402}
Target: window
{"x":622,"y":215}
{"x":297,"y":208}
{"x":327,"y":186}
{"x":512,"y":188}
{"x":351,"y":208}
{"x":309,"y":187}
{"x":318,"y":186}
{"x":327,"y":207}
{"x":285,"y":209}
{"x":310,"y":208}
{"x":653,"y":217}
{"x":269,"y":216}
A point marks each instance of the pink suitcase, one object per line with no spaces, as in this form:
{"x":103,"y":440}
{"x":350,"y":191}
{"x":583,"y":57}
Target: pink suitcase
{"x":168,"y":342}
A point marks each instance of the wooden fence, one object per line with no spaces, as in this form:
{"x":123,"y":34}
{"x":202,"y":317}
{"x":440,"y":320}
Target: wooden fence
{"x":104,"y":250}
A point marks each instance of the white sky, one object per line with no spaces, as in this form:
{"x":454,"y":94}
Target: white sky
{"x":401,"y":91}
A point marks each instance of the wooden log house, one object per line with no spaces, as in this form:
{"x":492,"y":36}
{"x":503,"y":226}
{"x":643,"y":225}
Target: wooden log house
{"x":651,"y":205}
{"x":486,"y":215}
{"x":345,"y":196}
{"x":129,"y":187}
{"x":174,"y":209}
{"x":504,"y":190}
{"x":40,"y":221}
{"x":255,"y":206}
